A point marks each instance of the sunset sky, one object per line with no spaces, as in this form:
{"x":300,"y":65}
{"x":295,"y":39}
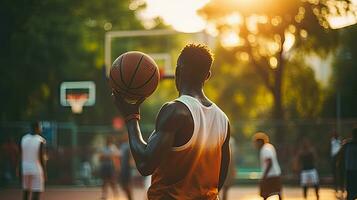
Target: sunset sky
{"x":182,"y":14}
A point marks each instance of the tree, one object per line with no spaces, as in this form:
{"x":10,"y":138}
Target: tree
{"x":263,"y":32}
{"x":343,"y":80}
{"x":50,"y":41}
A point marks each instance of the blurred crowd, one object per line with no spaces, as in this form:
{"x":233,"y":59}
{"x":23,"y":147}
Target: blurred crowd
{"x":111,"y":165}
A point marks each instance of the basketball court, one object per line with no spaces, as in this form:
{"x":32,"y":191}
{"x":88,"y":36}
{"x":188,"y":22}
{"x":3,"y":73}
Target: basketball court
{"x":236,"y":193}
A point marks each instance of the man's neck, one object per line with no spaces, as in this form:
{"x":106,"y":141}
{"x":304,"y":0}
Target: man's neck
{"x":192,"y":91}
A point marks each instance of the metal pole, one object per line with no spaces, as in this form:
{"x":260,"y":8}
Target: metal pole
{"x":74,"y":144}
{"x":107,"y":52}
{"x":338,"y":112}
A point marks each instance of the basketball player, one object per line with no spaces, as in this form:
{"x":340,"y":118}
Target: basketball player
{"x":33,"y":163}
{"x":270,"y":183}
{"x":108,"y":167}
{"x":308,"y":175}
{"x":347,"y":162}
{"x":188,"y":152}
{"x":125,"y":167}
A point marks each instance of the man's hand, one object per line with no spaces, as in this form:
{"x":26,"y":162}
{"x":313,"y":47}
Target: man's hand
{"x":266,"y":171}
{"x":124,"y":107}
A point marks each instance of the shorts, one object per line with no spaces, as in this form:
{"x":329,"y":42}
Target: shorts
{"x":270,"y":186}
{"x":309,"y":177}
{"x":107,"y":170}
{"x":35,"y":183}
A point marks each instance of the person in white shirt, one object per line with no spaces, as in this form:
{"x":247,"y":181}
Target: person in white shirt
{"x":335,"y":145}
{"x":33,"y":163}
{"x":270,"y":183}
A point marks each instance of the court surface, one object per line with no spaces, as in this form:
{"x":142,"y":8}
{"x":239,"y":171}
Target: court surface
{"x":93,"y":193}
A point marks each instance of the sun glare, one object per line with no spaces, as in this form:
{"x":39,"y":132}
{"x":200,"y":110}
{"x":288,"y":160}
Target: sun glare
{"x":337,"y":22}
{"x":180,"y":14}
{"x":289,"y":41}
{"x":230,"y":39}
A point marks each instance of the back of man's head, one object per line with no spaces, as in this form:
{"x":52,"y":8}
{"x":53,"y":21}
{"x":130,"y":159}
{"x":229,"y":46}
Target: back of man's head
{"x":35,"y":127}
{"x":261,"y":136}
{"x":197,"y":60}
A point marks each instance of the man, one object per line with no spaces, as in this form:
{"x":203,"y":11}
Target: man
{"x":109,"y":166}
{"x":188,"y":152}
{"x":270,"y":183}
{"x":347,"y":161}
{"x":125,"y":168}
{"x":308,"y":175}
{"x":33,"y":162}
{"x":335,"y":146}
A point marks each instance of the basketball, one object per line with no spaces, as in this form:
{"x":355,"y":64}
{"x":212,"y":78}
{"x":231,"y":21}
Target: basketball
{"x":134,"y":75}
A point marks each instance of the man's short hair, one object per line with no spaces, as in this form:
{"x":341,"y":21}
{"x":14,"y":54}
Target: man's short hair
{"x":199,"y":58}
{"x":261,"y":136}
{"x":35,"y":125}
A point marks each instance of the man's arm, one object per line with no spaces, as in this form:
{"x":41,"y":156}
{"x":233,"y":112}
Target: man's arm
{"x":269,"y":164}
{"x":42,"y":157}
{"x":225,"y":159}
{"x":147,"y":156}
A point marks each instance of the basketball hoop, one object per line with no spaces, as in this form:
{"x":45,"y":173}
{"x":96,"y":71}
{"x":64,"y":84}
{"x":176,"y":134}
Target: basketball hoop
{"x":77,"y":101}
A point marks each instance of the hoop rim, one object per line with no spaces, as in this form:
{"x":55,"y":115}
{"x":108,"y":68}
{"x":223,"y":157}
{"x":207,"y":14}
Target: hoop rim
{"x":77,"y":101}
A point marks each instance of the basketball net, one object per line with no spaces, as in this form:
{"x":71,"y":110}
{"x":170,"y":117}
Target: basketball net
{"x":77,"y":101}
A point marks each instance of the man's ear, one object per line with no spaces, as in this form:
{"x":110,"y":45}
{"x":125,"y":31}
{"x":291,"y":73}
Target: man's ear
{"x":208,"y":75}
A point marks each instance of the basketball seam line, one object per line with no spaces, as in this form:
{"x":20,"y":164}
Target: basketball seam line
{"x":126,"y":90}
{"x":136,"y":70}
{"x":152,"y":75}
{"x":121,"y":72}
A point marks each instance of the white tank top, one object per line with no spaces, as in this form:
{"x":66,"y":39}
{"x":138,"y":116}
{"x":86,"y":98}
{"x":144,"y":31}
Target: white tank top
{"x":30,"y":146}
{"x":191,"y":171}
{"x":210,"y":124}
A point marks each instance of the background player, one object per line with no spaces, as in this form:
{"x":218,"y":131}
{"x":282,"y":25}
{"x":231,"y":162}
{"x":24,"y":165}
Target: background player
{"x":108,"y":167}
{"x":270,"y":184}
{"x":347,"y":160}
{"x":125,"y":166}
{"x":308,"y":175}
{"x":33,"y":162}
{"x":188,"y":152}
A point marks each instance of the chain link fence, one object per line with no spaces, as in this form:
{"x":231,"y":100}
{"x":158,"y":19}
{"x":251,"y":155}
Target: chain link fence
{"x":73,"y":150}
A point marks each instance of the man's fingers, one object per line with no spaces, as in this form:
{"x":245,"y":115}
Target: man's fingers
{"x":117,"y":96}
{"x":141,"y":100}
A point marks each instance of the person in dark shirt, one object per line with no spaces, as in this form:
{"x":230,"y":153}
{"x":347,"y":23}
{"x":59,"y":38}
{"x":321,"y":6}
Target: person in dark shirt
{"x":108,"y":170}
{"x":347,"y":162}
{"x":308,"y":176}
{"x":125,"y":172}
{"x":335,"y":146}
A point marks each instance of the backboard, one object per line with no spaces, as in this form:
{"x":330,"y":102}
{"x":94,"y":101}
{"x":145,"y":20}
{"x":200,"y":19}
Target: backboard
{"x":77,"y":94}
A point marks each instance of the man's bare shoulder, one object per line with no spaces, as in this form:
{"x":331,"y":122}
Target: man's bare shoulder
{"x":175,"y":108}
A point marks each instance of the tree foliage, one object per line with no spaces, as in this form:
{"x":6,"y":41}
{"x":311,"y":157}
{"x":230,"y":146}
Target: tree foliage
{"x":343,"y":80}
{"x":49,"y":41}
{"x":262,"y":33}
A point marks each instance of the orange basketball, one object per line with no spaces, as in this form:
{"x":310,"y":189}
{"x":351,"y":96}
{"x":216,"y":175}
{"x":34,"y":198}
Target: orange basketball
{"x":134,"y":75}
